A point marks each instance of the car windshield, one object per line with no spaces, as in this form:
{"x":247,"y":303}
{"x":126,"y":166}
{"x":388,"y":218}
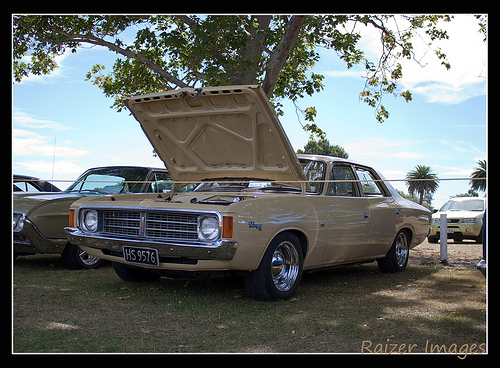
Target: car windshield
{"x":474,"y":205}
{"x":111,"y":180}
{"x":240,"y":184}
{"x":313,"y":170}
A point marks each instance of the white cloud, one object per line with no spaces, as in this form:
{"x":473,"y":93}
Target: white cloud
{"x":53,"y":77}
{"x":406,"y":155}
{"x":26,"y":143}
{"x":27,"y":121}
{"x":379,"y":147}
{"x":346,"y":73}
{"x":61,"y":167}
{"x":465,"y":50}
{"x":462,"y":172}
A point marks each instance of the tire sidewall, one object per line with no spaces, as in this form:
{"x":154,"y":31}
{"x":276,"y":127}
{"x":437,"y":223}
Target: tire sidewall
{"x":389,"y":264}
{"x":260,"y":282}
{"x":72,"y":260}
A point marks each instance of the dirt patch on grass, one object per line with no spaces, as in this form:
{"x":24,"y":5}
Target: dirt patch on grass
{"x":463,"y":255}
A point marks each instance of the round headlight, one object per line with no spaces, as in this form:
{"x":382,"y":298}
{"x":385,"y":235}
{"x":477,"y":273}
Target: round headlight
{"x":208,"y":228}
{"x":17,"y":221}
{"x":90,"y":220}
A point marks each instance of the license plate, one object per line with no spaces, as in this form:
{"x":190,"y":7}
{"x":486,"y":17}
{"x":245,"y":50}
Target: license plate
{"x":450,"y":231}
{"x":141,"y":255}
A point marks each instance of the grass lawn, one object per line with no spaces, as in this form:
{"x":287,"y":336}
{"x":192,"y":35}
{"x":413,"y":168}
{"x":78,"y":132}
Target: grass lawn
{"x":58,"y":310}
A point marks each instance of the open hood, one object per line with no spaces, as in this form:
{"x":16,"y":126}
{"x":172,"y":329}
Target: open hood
{"x":217,"y":132}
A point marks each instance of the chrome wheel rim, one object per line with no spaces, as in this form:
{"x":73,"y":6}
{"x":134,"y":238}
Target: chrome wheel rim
{"x":285,"y":266}
{"x":86,"y":258}
{"x":401,"y":249}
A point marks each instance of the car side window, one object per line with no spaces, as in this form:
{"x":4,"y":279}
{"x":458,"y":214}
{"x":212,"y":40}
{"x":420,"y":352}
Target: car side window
{"x":338,"y":188}
{"x":369,"y":188}
{"x":313,"y":171}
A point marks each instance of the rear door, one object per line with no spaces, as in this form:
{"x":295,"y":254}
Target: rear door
{"x":380,"y":208}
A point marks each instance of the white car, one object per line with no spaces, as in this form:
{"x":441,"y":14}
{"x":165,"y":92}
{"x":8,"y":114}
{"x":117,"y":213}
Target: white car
{"x":465,"y":219}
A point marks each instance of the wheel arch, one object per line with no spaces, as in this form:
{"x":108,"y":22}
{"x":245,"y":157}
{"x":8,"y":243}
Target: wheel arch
{"x":409,"y":233}
{"x":300,"y":235}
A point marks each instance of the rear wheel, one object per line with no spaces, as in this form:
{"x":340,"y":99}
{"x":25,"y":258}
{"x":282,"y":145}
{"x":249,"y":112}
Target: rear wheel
{"x":280,"y":270}
{"x":397,"y":257}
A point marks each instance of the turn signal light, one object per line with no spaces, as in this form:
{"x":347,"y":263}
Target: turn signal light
{"x":71,"y":218}
{"x":227,"y":227}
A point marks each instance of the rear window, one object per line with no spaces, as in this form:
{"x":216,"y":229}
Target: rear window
{"x":369,"y":187}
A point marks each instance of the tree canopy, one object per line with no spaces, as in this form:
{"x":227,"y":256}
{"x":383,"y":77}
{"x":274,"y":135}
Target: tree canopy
{"x":478,"y":177}
{"x":323,"y":147}
{"x":422,"y":181}
{"x":276,"y":51}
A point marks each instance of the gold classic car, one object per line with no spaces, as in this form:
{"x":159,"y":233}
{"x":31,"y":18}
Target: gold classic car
{"x":259,"y":208}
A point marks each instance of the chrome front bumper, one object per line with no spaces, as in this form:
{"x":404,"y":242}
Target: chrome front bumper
{"x":219,"y":250}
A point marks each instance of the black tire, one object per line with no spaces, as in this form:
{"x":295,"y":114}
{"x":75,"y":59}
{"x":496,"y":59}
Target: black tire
{"x":397,"y":257}
{"x":75,"y":258}
{"x":479,"y":238}
{"x":280,"y":271}
{"x":433,"y":239}
{"x":134,"y":274}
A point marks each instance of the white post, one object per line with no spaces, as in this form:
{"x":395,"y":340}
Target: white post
{"x":443,"y":237}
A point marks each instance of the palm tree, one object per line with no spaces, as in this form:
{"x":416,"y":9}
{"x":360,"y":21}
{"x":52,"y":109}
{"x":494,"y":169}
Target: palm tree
{"x":421,"y":180}
{"x":478,"y":177}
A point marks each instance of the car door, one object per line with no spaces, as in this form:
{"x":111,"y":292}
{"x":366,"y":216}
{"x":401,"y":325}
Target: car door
{"x":381,"y":209}
{"x":349,"y":220}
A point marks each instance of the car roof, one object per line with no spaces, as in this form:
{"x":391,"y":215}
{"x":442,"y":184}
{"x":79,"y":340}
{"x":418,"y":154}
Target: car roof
{"x":463,"y":199}
{"x":328,"y":158}
{"x":127,"y":166}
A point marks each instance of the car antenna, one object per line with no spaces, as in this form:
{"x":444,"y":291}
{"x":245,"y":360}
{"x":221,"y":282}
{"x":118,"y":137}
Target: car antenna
{"x":53,"y":158}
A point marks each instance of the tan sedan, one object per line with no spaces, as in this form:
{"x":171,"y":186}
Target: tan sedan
{"x":260,"y":209}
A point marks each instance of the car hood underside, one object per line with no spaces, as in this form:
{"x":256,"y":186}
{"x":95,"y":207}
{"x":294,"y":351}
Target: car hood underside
{"x":217,"y":132}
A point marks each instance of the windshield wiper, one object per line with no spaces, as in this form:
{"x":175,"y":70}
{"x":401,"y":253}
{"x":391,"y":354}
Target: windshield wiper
{"x":280,"y":188}
{"x":89,"y":190}
{"x":239,"y":179}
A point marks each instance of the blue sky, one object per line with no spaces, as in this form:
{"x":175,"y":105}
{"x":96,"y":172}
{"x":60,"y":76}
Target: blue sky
{"x":444,"y":126}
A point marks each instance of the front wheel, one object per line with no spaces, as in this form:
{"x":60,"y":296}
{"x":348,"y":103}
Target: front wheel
{"x":397,"y":257}
{"x":280,"y":270}
{"x":75,"y":258}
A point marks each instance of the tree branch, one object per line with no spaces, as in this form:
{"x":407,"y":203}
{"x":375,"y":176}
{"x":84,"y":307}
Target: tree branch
{"x":281,"y":53}
{"x":93,"y":40}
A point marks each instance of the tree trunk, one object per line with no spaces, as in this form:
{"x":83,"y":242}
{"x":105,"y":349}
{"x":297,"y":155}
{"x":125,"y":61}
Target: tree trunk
{"x":253,"y":50}
{"x":280,"y":54}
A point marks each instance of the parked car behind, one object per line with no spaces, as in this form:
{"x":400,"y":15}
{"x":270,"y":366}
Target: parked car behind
{"x":24,"y":183}
{"x":260,"y":209}
{"x":465,"y":219}
{"x":39,"y":218}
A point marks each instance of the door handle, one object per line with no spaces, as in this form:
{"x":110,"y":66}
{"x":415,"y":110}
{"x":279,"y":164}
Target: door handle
{"x":366,"y":215}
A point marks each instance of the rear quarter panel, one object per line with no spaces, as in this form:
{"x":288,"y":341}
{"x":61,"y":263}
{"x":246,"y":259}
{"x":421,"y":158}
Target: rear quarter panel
{"x":414,"y":217}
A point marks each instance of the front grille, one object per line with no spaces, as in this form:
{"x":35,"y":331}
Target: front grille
{"x":171,"y":225}
{"x":122,"y":223}
{"x":162,"y":225}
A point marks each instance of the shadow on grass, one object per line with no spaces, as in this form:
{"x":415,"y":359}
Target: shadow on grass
{"x":333,"y":311}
